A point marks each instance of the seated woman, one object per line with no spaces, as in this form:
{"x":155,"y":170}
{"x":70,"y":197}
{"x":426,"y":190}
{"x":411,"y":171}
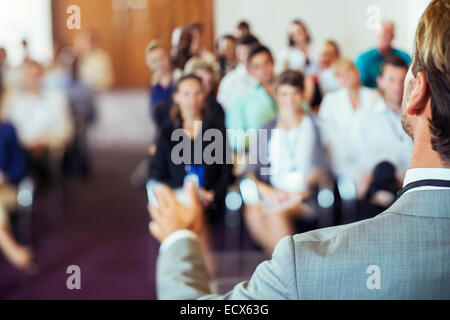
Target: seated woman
{"x":190,"y":121}
{"x":284,"y":163}
{"x":206,"y":72}
{"x":158,"y":61}
{"x":12,"y":170}
{"x":340,"y":112}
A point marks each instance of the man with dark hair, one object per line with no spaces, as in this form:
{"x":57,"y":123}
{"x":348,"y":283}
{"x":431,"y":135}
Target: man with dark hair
{"x":379,"y":137}
{"x":3,"y":57}
{"x":238,"y":80}
{"x":256,"y":106}
{"x":243,"y":29}
{"x":403,"y":253}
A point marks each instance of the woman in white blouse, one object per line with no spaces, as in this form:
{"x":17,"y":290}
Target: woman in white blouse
{"x":340,"y":111}
{"x":283,"y":164}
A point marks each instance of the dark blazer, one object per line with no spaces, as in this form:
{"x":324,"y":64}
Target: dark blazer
{"x":13,"y":159}
{"x":217,"y":176}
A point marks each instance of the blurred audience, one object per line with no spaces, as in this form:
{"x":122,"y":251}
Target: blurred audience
{"x":369,"y":62}
{"x":3,"y":66}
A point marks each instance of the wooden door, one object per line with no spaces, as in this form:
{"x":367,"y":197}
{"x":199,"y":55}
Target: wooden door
{"x":125,"y":27}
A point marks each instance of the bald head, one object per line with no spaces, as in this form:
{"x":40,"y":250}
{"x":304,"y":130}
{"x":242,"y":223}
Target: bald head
{"x":386,"y":35}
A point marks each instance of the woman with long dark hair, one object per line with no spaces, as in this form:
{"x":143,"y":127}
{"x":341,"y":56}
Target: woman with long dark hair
{"x":190,"y":121}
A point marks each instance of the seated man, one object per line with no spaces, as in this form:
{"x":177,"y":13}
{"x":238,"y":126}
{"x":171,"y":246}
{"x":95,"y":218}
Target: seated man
{"x":257,"y":105}
{"x":403,"y":253}
{"x":379,"y":137}
{"x":369,"y":62}
{"x":12,"y":170}
{"x":41,"y":117}
{"x":205,"y":71}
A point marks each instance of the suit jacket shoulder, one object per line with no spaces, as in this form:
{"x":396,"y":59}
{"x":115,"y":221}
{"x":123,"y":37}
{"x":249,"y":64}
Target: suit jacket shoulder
{"x":403,"y":253}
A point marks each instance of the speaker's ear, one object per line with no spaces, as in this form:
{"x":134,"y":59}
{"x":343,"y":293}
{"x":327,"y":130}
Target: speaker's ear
{"x":420,"y":96}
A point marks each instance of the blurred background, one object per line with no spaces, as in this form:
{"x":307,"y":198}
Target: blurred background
{"x":88,"y":207}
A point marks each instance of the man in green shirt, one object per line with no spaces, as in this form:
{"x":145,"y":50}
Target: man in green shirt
{"x":256,"y":106}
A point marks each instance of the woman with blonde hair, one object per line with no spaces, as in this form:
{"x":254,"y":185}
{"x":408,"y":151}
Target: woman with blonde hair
{"x":339,"y":112}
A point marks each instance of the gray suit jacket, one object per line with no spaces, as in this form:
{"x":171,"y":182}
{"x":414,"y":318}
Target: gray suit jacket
{"x":403,"y":253}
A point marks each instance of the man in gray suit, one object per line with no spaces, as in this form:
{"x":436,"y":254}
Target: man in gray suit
{"x":403,"y":253}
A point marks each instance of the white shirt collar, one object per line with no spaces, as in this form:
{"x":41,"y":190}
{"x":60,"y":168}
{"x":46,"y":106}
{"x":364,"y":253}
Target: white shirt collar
{"x":382,"y":107}
{"x":417,"y":174}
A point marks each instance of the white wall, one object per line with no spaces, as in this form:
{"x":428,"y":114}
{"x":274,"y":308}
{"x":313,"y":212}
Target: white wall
{"x":26,"y":19}
{"x":342,"y":20}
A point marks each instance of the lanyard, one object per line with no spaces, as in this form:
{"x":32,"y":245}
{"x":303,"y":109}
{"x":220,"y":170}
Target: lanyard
{"x":423,"y":183}
{"x":197,"y":170}
{"x":289,"y":144}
